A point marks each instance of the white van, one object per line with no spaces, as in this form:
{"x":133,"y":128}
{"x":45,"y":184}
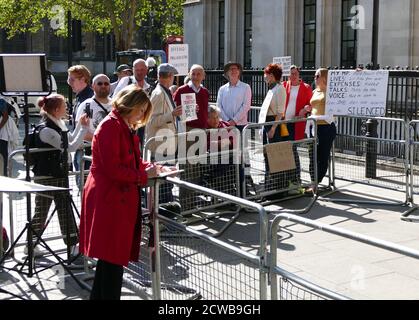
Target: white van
{"x":33,"y":100}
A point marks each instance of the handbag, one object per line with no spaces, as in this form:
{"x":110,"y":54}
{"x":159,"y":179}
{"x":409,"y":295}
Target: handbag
{"x":283,"y":128}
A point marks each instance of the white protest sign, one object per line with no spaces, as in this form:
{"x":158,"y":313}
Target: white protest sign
{"x":357,"y":93}
{"x":286,"y":64}
{"x":179,"y":58}
{"x":188,"y":101}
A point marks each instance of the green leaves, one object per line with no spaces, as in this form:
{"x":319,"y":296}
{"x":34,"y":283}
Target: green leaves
{"x":122,"y":17}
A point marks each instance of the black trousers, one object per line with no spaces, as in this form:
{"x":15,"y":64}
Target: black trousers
{"x":108,"y":281}
{"x":62,"y":203}
{"x":4,"y":152}
{"x":326,"y":134}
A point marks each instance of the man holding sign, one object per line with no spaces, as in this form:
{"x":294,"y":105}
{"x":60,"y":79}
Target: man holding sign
{"x":194,"y":94}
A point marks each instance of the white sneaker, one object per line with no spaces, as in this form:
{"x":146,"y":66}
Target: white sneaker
{"x":37,"y":251}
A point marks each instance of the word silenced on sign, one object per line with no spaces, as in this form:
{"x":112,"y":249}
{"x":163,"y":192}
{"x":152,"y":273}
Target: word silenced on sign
{"x":357,"y":93}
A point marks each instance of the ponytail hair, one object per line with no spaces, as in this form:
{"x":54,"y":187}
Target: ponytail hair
{"x":50,"y":103}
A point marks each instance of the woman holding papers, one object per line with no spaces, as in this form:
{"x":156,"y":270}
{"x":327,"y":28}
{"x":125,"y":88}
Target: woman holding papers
{"x":110,"y":222}
{"x":326,"y":128}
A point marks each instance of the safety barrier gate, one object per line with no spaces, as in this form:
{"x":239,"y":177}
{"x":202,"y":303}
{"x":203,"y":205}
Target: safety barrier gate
{"x":290,"y":286}
{"x":260,"y":183}
{"x":377,"y":155}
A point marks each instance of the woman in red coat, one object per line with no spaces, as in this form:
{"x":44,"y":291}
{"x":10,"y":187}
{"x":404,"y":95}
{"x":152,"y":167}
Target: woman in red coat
{"x":110,"y":223}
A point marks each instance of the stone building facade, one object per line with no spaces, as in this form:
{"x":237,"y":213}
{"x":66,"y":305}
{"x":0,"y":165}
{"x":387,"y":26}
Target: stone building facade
{"x":314,"y":32}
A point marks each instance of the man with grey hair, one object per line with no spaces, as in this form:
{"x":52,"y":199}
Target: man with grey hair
{"x":164,"y":121}
{"x":194,"y":85}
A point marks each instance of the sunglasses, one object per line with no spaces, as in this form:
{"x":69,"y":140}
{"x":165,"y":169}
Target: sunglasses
{"x":102,"y":83}
{"x":317,"y":76}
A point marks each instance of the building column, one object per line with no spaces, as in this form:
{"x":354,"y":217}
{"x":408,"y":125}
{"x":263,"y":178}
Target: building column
{"x":194,"y":27}
{"x":270,"y":30}
{"x":231,"y":44}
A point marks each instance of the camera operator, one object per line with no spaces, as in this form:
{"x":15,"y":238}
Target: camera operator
{"x":50,"y":169}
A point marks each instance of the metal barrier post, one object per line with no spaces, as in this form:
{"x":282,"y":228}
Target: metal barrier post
{"x":155,"y":249}
{"x":371,"y":154}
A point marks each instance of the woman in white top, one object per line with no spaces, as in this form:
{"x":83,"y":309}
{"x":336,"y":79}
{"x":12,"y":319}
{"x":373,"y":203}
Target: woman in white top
{"x":278,"y":96}
{"x":275,"y":104}
{"x":50,"y":168}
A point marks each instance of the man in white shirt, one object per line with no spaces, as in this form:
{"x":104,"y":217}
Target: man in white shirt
{"x":140,"y":72}
{"x":99,"y":105}
{"x":234,"y":98}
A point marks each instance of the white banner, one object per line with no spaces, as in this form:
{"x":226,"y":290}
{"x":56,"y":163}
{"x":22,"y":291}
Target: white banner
{"x":357,"y":93}
{"x":179,"y":58}
{"x":286,"y":64}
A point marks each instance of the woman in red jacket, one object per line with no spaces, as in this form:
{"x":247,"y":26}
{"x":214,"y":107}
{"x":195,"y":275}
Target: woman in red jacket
{"x":298,"y":102}
{"x":110,"y":223}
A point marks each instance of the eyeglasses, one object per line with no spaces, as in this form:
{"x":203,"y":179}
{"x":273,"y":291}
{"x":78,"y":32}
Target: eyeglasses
{"x":70,"y":79}
{"x":102,"y":83}
{"x":317,"y":76}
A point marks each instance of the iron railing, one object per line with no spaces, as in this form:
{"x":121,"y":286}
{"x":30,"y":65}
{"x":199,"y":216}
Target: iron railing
{"x":402,"y":94}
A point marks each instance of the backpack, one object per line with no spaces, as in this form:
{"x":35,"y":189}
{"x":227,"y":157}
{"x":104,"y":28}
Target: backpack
{"x":33,"y":141}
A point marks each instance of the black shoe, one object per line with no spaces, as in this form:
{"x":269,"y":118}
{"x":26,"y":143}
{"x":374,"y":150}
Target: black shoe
{"x":277,"y":196}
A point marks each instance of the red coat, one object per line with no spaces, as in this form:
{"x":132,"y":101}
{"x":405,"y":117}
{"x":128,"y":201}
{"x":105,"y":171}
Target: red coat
{"x":303,"y":98}
{"x":110,"y":226}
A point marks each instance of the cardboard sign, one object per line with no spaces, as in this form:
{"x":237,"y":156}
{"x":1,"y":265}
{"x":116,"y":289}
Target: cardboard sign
{"x":280,"y":157}
{"x":286,"y":65}
{"x":357,"y":93}
{"x":179,"y":58}
{"x":188,"y":101}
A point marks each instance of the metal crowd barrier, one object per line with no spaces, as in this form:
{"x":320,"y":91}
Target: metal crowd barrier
{"x":287,"y":184}
{"x":190,"y":264}
{"x":17,"y":202}
{"x":178,"y":262}
{"x":218,"y":170}
{"x":309,"y":289}
{"x":371,"y":156}
{"x":414,"y":170}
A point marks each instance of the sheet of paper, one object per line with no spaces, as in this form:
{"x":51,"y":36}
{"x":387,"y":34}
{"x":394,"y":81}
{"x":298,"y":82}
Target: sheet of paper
{"x":188,"y":101}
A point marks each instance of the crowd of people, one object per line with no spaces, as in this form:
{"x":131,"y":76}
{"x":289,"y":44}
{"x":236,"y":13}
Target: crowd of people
{"x":117,"y":118}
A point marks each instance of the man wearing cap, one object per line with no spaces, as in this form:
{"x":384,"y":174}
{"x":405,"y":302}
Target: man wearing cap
{"x":163,"y":123}
{"x":164,"y":119}
{"x":122,"y":71}
{"x":234,"y":98}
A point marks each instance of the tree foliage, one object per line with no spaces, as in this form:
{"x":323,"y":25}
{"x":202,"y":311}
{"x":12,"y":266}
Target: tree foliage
{"x":122,"y":17}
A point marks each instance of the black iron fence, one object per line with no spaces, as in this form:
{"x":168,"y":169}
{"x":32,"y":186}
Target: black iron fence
{"x":402,"y":96}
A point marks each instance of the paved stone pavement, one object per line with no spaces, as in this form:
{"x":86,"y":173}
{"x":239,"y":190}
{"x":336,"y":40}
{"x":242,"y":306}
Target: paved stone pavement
{"x":356,"y":270}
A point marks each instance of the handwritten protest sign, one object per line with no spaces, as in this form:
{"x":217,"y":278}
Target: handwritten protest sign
{"x":280,"y":156}
{"x":357,"y":93}
{"x":188,"y":101}
{"x":179,"y":57}
{"x":286,"y":64}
